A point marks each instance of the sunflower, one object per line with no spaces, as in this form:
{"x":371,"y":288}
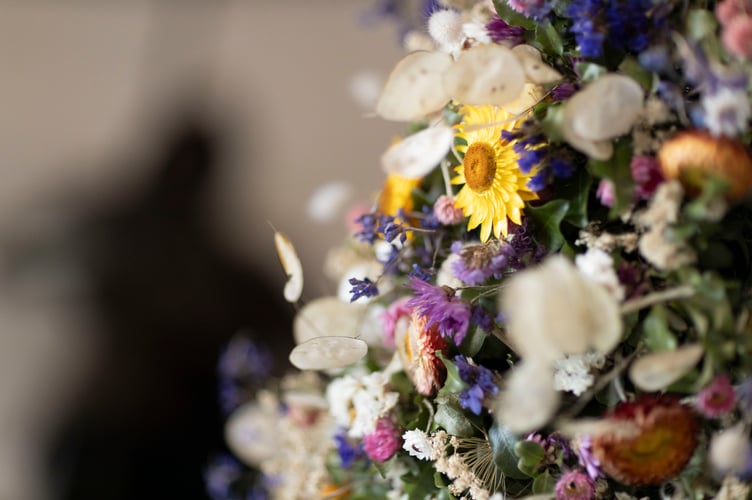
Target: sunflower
{"x":494,"y":187}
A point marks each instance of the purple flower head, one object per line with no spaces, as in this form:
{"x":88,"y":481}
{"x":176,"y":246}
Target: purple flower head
{"x":362,"y":288}
{"x":586,"y":457}
{"x":442,"y":308}
{"x":481,"y":382}
{"x":563,"y":91}
{"x":500,"y":31}
{"x":478,"y":263}
{"x":384,"y":442}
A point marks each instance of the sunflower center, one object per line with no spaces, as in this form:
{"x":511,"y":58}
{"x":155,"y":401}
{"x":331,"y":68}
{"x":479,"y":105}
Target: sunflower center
{"x":480,"y":166}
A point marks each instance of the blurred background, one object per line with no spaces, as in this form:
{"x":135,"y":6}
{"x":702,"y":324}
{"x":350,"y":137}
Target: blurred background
{"x":145,"y":149}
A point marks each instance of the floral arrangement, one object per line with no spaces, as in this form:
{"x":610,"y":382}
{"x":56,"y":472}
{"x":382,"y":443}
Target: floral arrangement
{"x":550,"y":296}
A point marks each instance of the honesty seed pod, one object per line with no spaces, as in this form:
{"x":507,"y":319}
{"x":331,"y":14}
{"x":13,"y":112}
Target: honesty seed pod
{"x":694,"y":155}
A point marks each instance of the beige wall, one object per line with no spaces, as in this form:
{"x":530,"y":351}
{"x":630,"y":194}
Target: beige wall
{"x":83,"y":87}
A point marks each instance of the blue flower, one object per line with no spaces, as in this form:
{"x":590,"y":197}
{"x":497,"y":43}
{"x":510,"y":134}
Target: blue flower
{"x":362,"y":288}
{"x":481,"y":384}
{"x":347,"y":451}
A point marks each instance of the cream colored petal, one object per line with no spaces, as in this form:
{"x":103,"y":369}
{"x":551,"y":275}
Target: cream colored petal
{"x":656,"y":371}
{"x":420,"y":153}
{"x":485,"y":74}
{"x":414,"y":89}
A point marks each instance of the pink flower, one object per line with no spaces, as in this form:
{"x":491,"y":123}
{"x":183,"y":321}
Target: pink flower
{"x":737,"y":37}
{"x":384,"y":442}
{"x":396,"y":311}
{"x":728,"y":10}
{"x":647,"y":175}
{"x":446,"y":212}
{"x":717,"y":399}
{"x":575,"y":485}
{"x":605,"y":193}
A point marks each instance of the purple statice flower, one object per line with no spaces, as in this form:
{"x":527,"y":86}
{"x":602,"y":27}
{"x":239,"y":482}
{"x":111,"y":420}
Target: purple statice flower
{"x":384,"y":442}
{"x":481,"y":317}
{"x":362,"y":288}
{"x":563,"y":91}
{"x":376,"y":226}
{"x":420,"y":272}
{"x":575,"y":485}
{"x":555,"y":447}
{"x":629,"y":27}
{"x":538,"y":182}
{"x":588,"y":26}
{"x":523,"y":250}
{"x":647,"y":175}
{"x":500,"y":31}
{"x":587,"y":458}
{"x":478,"y":263}
{"x":440,"y":307}
{"x":481,"y":384}
{"x":348,"y":452}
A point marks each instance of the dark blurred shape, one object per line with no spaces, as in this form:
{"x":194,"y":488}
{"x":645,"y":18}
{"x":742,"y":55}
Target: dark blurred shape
{"x":167,"y":299}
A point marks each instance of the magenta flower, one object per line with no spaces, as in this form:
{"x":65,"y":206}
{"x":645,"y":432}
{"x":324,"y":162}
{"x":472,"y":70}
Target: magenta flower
{"x":384,"y":442}
{"x":717,"y":399}
{"x":575,"y":485}
{"x":647,"y":175}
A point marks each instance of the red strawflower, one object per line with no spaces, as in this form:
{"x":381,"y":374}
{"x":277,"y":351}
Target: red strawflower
{"x":651,"y":441}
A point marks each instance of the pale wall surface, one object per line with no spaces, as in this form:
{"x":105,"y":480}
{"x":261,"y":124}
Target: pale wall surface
{"x":86,"y":83}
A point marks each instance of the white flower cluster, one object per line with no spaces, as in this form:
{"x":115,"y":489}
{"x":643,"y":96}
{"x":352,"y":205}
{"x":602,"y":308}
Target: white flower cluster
{"x":574,"y":373}
{"x":358,"y":402}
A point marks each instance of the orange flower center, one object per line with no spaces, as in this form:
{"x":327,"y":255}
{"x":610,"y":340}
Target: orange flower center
{"x":480,"y":166}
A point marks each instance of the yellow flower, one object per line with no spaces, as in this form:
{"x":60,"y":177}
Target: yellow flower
{"x":494,"y":187}
{"x":397,"y":193}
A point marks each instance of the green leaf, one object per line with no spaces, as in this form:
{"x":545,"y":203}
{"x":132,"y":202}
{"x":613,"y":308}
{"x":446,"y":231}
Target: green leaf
{"x":503,"y":441}
{"x":473,"y":341}
{"x":576,"y":190}
{"x":590,"y":71}
{"x":552,"y":123}
{"x":529,"y":452}
{"x":454,"y":383}
{"x":701,"y":24}
{"x":658,"y":336}
{"x":544,"y":483}
{"x":549,"y":39}
{"x":630,"y":67}
{"x":547,"y":219}
{"x":511,"y":17}
{"x":453,"y":420}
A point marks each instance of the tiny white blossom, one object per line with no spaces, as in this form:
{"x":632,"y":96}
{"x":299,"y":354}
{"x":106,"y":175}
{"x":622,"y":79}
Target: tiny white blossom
{"x":598,"y":266}
{"x":371,"y":401}
{"x":418,"y":444}
{"x":574,"y":372}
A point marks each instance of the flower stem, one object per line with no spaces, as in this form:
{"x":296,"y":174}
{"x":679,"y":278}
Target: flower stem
{"x":680,"y":292}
